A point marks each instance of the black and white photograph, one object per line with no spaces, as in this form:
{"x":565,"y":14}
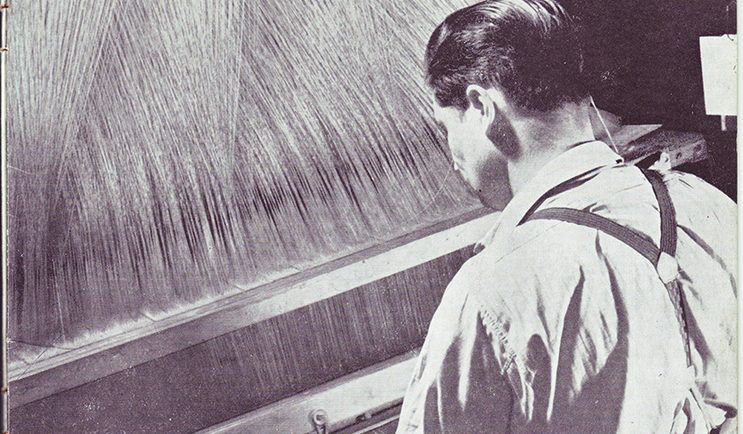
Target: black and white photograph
{"x":369,"y":216}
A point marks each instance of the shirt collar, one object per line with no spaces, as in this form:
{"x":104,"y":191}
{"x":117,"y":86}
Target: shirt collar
{"x":570,"y":164}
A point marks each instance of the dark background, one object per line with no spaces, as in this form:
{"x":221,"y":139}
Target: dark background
{"x":644,"y":65}
{"x":643,"y":56}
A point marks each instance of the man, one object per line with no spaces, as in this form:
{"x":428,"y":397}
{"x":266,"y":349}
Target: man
{"x":621,"y":320}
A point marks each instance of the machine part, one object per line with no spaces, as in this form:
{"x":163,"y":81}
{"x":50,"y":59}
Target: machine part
{"x":319,"y":420}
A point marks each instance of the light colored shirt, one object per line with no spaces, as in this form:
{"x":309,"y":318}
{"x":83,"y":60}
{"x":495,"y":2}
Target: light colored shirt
{"x":555,"y":327}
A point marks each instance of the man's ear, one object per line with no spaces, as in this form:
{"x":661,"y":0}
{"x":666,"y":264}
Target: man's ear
{"x":478,"y":99}
{"x":496,"y":111}
{"x":486,"y":101}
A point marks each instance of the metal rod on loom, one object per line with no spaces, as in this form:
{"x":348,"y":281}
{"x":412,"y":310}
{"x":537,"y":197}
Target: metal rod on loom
{"x":3,"y":156}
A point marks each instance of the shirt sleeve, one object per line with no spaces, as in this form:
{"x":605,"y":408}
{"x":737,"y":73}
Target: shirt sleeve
{"x":459,"y":384}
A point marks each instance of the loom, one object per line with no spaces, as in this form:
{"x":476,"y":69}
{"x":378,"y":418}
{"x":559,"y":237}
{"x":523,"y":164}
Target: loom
{"x":226,"y":216}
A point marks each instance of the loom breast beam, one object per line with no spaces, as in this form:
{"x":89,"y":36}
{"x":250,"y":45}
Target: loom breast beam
{"x":285,"y":326}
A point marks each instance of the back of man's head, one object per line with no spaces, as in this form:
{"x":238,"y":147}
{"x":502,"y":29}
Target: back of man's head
{"x":529,"y":48}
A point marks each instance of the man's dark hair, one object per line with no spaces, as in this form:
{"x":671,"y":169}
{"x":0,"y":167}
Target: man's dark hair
{"x":530,"y":48}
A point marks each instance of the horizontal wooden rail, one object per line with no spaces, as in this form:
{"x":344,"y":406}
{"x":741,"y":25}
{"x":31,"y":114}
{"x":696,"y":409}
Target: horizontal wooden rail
{"x":119,"y":352}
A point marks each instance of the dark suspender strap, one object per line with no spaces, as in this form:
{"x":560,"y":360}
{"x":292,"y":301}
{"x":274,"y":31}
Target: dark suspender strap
{"x":635,"y":240}
{"x":667,"y":212}
{"x":628,"y":236}
{"x":668,"y":238}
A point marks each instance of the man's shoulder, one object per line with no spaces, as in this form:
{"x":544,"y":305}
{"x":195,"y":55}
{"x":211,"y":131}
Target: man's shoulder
{"x":540,"y":264}
{"x":542,"y":261}
{"x":536,"y":247}
{"x":704,"y":213}
{"x":689,"y":190}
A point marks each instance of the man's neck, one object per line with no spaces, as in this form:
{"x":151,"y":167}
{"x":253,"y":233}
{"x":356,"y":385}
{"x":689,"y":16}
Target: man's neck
{"x":543,"y":137}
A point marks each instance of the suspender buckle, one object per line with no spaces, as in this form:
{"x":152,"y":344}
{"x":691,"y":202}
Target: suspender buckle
{"x":668,"y":268}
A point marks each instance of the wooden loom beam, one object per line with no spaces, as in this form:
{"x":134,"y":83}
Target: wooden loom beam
{"x":145,"y":355}
{"x":197,"y":325}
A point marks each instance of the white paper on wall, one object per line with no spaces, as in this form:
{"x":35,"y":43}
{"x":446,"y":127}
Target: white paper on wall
{"x":719,"y":74}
